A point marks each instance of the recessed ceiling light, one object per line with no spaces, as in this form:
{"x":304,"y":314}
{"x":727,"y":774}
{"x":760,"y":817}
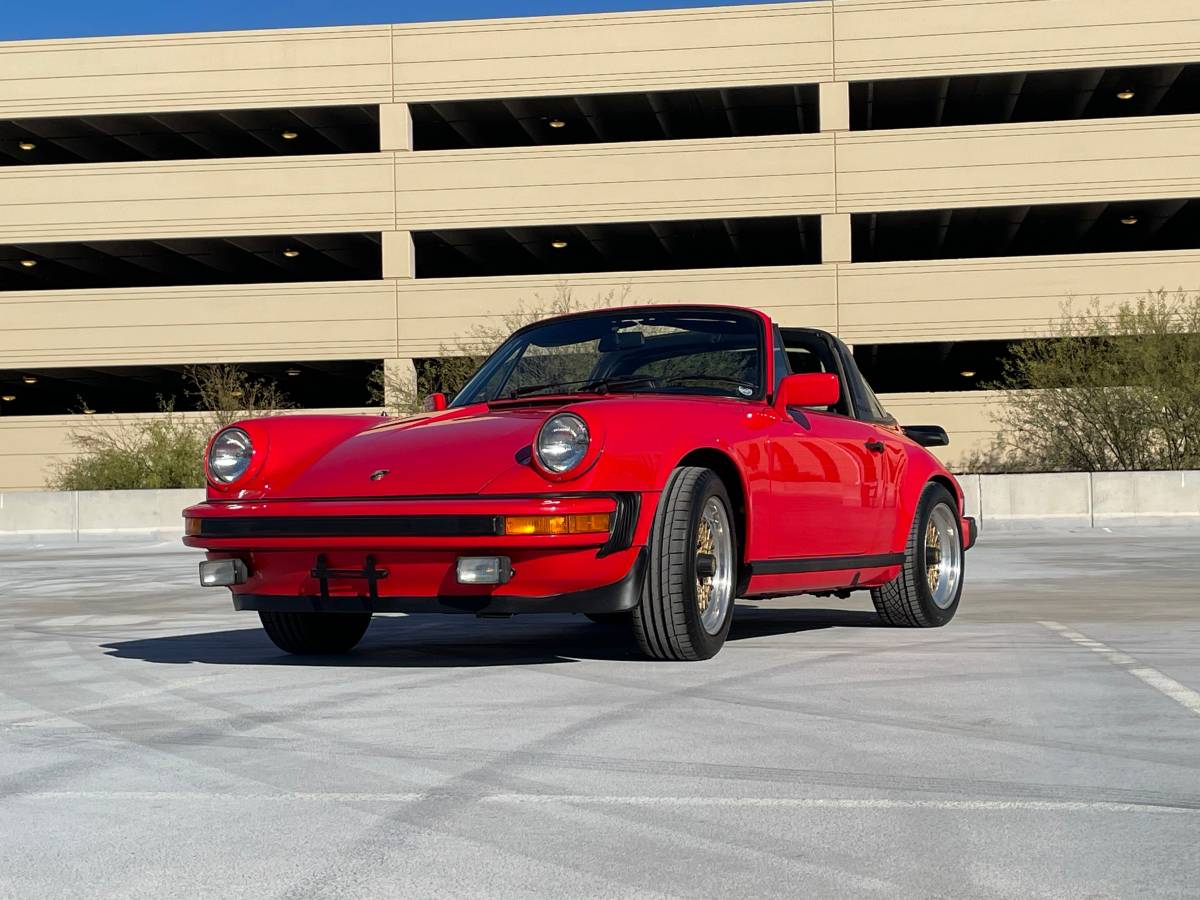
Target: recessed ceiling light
{"x":289,"y":135}
{"x":27,"y":145}
{"x":29,"y":263}
{"x":8,"y":398}
{"x":291,"y":252}
{"x":1126,"y":94}
{"x":558,"y":245}
{"x":556,"y":123}
{"x":29,"y":379}
{"x":1129,"y":220}
{"x":293,"y":372}
{"x":967,"y":373}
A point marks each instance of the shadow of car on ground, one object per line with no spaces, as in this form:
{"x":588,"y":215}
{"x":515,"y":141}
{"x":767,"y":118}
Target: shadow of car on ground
{"x":457,"y":641}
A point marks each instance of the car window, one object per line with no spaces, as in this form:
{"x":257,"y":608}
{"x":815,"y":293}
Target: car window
{"x":808,"y":353}
{"x":871,"y":410}
{"x":782,"y":367}
{"x":740,"y":364}
{"x":685,"y":350}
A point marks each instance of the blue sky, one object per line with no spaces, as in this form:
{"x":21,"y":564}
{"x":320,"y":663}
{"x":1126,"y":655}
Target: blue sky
{"x":81,"y":18}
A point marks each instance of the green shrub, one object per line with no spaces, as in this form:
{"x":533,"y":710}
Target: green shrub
{"x":164,"y":452}
{"x":167,"y":450}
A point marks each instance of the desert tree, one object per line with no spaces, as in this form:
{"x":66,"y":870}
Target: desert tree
{"x":1106,"y":390}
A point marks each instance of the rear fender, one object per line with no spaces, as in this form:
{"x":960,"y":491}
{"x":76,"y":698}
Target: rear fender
{"x":922,"y":468}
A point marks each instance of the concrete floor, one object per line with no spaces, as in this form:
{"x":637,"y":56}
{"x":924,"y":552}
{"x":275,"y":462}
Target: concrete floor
{"x":153,"y":743}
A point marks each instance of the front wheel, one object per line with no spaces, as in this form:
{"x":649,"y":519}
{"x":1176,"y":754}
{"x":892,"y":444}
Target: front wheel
{"x":314,"y":633}
{"x":687,"y":598}
{"x":927,"y":591}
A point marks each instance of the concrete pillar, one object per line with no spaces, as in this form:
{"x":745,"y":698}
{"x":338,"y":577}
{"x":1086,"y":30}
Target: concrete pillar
{"x":399,"y":257}
{"x":835,"y":237}
{"x":400,"y":385}
{"x":835,"y":105}
{"x":395,"y":127}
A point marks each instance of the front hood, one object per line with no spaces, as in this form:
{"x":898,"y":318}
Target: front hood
{"x":457,"y":452}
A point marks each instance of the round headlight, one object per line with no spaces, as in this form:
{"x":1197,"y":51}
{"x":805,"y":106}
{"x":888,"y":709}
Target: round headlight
{"x":229,"y":456}
{"x":562,"y":443}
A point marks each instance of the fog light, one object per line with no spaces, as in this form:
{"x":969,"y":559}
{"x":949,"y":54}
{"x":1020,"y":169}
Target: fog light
{"x":484,"y":569}
{"x":223,"y":572}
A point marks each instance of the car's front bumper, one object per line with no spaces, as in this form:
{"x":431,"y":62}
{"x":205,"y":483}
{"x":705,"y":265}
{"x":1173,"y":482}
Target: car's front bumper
{"x":400,"y":555}
{"x":619,"y":596}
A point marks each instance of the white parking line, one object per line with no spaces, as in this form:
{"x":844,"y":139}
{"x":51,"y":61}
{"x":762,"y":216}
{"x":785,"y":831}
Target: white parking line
{"x":846,"y":803}
{"x":1164,"y":684}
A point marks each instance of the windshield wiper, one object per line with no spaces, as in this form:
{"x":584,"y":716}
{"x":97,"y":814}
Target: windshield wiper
{"x":584,"y":386}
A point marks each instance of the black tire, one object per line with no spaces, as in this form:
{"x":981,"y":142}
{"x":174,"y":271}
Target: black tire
{"x":314,"y":633}
{"x":907,"y":602}
{"x":667,"y":620}
{"x":617,"y":618}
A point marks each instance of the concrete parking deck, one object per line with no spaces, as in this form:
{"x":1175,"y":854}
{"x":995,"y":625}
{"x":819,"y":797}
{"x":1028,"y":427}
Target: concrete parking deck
{"x":153,"y":743}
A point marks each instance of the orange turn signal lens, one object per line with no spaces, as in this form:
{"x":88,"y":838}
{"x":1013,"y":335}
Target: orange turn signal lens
{"x":191,"y":526}
{"x":589,"y":523}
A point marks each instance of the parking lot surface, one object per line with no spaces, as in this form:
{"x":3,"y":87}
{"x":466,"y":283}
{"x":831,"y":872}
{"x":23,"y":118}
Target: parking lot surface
{"x":153,"y":743}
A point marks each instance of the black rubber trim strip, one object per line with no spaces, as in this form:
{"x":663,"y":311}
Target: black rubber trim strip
{"x":624,"y":523}
{"x":620,"y":596}
{"x":824,"y":564}
{"x":351,"y":526}
{"x":972,"y":532}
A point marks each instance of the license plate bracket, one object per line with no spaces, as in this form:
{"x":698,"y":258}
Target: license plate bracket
{"x":369,"y":572}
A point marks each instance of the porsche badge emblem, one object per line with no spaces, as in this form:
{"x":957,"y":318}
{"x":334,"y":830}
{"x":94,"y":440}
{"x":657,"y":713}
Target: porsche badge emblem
{"x":379,"y":474}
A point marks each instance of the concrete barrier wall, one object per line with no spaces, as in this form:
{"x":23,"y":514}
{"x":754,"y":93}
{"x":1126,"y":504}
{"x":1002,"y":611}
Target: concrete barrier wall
{"x":84,"y":515}
{"x":1060,"y":500}
{"x":1083,"y":499}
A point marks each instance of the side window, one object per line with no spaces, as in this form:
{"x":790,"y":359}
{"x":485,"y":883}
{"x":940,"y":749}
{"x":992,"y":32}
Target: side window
{"x":807,"y":353}
{"x":871,"y":409}
{"x":782,"y":365}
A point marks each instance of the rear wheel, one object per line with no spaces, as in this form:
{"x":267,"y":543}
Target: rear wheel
{"x":687,"y":598}
{"x":313,"y":633}
{"x":926,"y":593}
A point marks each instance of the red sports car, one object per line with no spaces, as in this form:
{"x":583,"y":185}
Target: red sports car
{"x":645,"y":465}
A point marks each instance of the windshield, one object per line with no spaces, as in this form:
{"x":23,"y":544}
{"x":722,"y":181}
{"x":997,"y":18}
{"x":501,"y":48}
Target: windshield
{"x":713,"y":352}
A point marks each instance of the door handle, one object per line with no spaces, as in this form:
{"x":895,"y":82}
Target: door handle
{"x":874,"y":446}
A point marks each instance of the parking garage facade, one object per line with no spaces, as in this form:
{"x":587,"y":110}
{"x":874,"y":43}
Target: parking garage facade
{"x":328,"y":201}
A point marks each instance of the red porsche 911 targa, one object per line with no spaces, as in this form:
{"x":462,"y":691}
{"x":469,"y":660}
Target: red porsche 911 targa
{"x":645,"y":465}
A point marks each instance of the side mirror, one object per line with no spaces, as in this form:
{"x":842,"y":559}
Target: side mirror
{"x":815,"y":389}
{"x":435,"y":402}
{"x":927,"y":435}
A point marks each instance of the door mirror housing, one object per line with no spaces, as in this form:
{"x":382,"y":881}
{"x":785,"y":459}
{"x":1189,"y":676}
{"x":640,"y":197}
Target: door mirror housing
{"x":814,"y":389}
{"x":435,"y":402}
{"x":927,"y":435}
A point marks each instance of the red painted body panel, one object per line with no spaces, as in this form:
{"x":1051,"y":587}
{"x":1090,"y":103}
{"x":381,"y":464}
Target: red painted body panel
{"x":807,"y":482}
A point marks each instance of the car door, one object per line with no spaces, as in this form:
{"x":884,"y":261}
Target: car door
{"x":894,"y":463}
{"x":827,"y":468}
{"x":827,"y":486}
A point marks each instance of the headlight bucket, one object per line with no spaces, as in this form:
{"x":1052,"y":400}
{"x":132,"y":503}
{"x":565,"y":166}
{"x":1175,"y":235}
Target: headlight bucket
{"x":229,"y":456}
{"x":562,"y":444}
